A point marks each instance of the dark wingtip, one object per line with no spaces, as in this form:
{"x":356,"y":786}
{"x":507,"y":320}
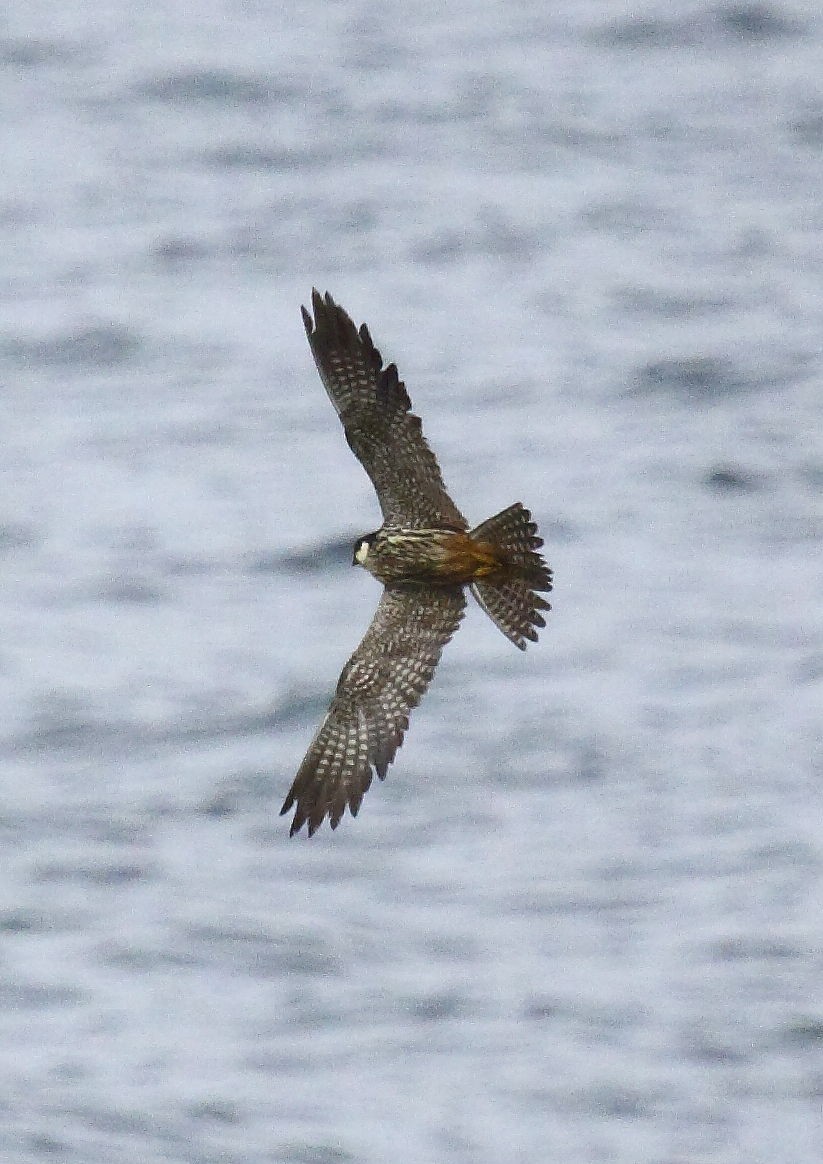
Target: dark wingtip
{"x":331,"y":324}
{"x":318,"y":305}
{"x":299,"y":817}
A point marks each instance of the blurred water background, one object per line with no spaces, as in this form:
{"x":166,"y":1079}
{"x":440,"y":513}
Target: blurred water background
{"x":581,"y":920}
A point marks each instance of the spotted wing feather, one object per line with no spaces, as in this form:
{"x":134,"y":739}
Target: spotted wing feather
{"x":384,"y":679}
{"x":375,"y":409}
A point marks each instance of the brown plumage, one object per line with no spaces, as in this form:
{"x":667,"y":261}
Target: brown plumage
{"x":383,"y":680}
{"x":424,"y":554}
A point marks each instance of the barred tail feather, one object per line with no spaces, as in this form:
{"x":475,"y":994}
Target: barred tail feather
{"x":508,"y":595}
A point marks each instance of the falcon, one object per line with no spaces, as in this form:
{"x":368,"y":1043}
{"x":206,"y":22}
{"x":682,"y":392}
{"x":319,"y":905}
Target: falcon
{"x":424,"y":554}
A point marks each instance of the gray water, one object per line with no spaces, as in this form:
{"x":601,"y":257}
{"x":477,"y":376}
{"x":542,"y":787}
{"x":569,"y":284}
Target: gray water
{"x":581,"y":920}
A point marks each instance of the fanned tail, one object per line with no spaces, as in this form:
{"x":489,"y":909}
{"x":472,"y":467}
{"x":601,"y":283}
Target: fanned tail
{"x":508,"y":595}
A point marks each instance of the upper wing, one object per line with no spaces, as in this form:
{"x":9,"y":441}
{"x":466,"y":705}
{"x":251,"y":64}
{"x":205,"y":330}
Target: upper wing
{"x":382,"y":432}
{"x":383,"y":680}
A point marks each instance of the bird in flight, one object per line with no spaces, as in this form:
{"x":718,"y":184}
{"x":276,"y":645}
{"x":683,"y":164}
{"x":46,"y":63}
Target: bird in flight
{"x":424,"y":554}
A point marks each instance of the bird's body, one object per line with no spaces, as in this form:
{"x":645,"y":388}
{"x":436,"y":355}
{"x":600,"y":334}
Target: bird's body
{"x":424,"y":554}
{"x":441,"y":556}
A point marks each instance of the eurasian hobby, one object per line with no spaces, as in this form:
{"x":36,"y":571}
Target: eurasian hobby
{"x":424,"y":554}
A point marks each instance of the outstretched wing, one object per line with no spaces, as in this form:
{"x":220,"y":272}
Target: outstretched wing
{"x":383,"y":680}
{"x":384,"y":435}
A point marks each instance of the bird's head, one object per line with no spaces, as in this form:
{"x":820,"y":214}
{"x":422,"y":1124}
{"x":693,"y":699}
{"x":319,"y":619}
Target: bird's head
{"x":361,"y":549}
